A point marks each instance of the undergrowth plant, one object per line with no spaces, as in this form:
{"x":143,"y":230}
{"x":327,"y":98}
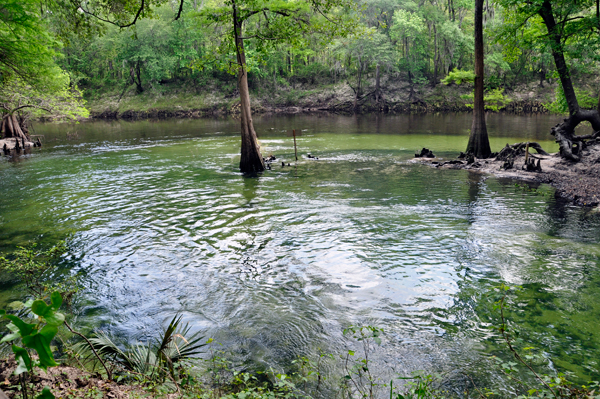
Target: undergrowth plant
{"x":359,"y":377}
{"x":418,"y":386}
{"x":494,"y":99}
{"x":152,"y":362}
{"x":36,"y":336}
{"x":34,"y":267}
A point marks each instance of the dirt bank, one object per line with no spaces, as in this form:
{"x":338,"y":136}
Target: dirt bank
{"x":578,"y":182}
{"x":66,"y":381}
{"x":399,"y":97}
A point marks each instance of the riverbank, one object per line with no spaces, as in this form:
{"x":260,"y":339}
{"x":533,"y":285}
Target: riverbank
{"x":399,"y":97}
{"x":66,"y":381}
{"x":577,"y":182}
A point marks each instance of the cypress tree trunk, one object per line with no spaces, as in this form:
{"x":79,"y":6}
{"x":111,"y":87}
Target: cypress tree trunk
{"x":479,"y":144}
{"x":564,"y":133}
{"x":11,"y":127}
{"x":251,"y":160}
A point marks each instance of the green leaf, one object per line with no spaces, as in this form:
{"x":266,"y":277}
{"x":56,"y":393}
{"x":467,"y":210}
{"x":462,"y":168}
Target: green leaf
{"x":40,"y":342}
{"x":10,"y":337}
{"x":56,"y":300}
{"x":24,"y":363}
{"x":24,"y":328}
{"x":377,"y":340}
{"x":46,"y":394}
{"x":40,"y":308}
{"x":12,"y":327}
{"x":55,"y":319}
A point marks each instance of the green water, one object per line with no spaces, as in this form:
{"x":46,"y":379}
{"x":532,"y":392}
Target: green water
{"x":158,"y":220}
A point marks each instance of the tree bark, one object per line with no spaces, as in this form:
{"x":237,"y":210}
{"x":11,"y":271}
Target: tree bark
{"x":435,"y":56}
{"x":379,"y":99}
{"x":251,"y":160}
{"x":564,"y":132}
{"x":17,"y":131}
{"x":9,"y":126}
{"x":559,"y":57}
{"x":479,"y":144}
{"x":138,"y":74}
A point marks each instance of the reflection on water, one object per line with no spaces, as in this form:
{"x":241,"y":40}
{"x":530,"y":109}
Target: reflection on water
{"x":159,"y":221}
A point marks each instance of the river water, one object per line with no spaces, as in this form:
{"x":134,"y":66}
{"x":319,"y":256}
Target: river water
{"x":158,"y":221}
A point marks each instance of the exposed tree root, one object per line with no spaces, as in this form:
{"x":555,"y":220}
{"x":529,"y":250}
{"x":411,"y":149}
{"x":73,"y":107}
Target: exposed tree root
{"x":519,"y":149}
{"x":571,"y":145}
{"x":510,"y":152}
{"x":11,"y":126}
{"x":425,"y":153}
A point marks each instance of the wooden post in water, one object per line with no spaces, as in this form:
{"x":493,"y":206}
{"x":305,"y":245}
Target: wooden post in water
{"x":295,"y":148}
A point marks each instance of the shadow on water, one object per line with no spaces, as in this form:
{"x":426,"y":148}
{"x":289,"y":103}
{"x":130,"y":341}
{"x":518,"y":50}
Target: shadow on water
{"x":251,"y":184}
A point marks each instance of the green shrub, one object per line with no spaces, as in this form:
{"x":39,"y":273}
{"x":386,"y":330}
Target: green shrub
{"x":459,"y":76}
{"x":560,"y":106}
{"x":35,"y":336}
{"x":494,"y":100}
{"x":36,"y":268}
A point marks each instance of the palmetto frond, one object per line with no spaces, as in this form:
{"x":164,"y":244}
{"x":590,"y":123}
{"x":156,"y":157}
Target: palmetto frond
{"x":175,"y":344}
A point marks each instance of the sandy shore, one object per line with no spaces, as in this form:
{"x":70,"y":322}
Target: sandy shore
{"x":578,"y":182}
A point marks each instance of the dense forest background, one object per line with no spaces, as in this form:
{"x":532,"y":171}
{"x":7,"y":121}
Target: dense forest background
{"x":391,"y":55}
{"x":402,"y":52}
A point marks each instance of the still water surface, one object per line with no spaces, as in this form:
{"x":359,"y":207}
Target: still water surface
{"x":158,"y":221}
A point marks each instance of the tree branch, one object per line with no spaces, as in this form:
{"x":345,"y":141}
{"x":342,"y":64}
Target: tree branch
{"x":180,"y":10}
{"x":137,"y":15}
{"x":108,"y":373}
{"x":28,"y":106}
